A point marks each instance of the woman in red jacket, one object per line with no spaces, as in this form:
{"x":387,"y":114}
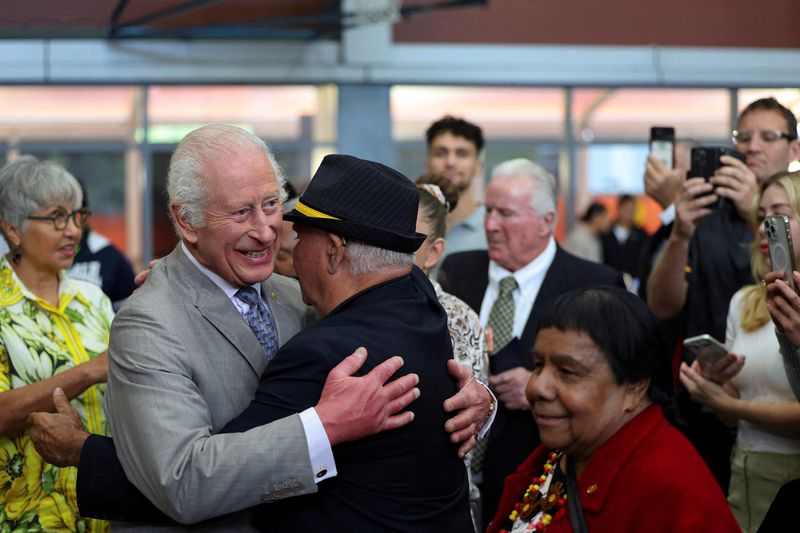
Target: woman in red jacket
{"x":609,"y":461}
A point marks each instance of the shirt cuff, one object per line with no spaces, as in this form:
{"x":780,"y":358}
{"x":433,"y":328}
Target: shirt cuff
{"x":667,"y":215}
{"x":319,"y":447}
{"x":488,"y":424}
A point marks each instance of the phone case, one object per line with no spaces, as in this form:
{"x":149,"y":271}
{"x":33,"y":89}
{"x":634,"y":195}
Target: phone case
{"x":781,"y":250}
{"x":705,"y":348}
{"x":662,"y":142}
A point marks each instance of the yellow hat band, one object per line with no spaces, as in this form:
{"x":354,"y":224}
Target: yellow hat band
{"x":311,"y":212}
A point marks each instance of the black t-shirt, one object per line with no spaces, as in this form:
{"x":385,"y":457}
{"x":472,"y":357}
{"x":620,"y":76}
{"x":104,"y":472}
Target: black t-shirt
{"x":719,"y":265}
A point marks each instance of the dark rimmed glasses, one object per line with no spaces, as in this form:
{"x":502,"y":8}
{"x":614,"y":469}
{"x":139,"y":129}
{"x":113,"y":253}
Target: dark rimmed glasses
{"x":767,"y":136}
{"x":60,"y":218}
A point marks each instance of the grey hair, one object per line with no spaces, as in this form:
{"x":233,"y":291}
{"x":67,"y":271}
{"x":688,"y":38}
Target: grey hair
{"x":366,"y":258}
{"x":29,"y":185}
{"x":543,"y":198}
{"x":187,"y":183}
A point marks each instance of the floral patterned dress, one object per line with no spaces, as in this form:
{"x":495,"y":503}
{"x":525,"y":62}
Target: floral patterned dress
{"x":466,"y":334}
{"x":469,"y":349}
{"x":37,"y":341}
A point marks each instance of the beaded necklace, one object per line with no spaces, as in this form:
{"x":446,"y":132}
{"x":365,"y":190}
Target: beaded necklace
{"x":543,"y":499}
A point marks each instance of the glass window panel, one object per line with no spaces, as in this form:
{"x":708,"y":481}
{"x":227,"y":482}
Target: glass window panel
{"x":502,"y":112}
{"x":270,"y":112}
{"x":614,"y":168}
{"x":66,"y":113}
{"x":626,"y":114}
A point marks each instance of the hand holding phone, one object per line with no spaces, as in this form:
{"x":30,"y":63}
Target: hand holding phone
{"x":706,"y":161}
{"x":781,"y":250}
{"x":705,"y":348}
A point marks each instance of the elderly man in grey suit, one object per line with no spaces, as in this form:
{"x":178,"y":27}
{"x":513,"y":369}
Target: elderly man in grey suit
{"x":184,"y":362}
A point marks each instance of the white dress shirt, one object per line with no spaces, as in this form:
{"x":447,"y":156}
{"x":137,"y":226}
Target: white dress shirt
{"x":529,"y":280}
{"x":319,"y":447}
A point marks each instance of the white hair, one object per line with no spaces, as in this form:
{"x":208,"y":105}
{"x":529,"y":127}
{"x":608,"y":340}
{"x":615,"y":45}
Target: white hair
{"x":187,"y":183}
{"x":543,"y":194}
{"x":366,"y":258}
{"x":28,"y":185}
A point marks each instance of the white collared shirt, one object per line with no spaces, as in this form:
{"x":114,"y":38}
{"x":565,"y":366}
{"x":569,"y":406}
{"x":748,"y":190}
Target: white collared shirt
{"x":319,"y":447}
{"x":529,"y":280}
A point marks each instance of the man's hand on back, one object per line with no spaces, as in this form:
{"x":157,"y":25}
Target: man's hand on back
{"x":353,"y":407}
{"x":473,"y":404}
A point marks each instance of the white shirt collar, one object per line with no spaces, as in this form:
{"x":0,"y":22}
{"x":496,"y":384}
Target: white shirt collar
{"x":229,"y":290}
{"x":528,"y":275}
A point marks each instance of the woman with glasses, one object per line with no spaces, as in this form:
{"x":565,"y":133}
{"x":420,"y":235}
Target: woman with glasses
{"x":53,"y":333}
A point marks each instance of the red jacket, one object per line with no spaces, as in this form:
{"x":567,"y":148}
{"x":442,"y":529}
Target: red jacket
{"x":646,"y":477}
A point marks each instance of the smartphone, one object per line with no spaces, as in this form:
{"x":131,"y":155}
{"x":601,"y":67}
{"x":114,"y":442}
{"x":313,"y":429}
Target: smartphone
{"x":706,"y":162}
{"x":662,"y":144}
{"x":781,"y":251}
{"x":705,"y":348}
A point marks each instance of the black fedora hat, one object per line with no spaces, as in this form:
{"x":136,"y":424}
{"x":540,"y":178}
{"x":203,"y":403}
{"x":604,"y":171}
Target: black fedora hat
{"x":361,"y":200}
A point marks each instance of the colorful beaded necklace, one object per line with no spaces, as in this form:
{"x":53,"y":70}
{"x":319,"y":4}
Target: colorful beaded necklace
{"x":543,"y":500}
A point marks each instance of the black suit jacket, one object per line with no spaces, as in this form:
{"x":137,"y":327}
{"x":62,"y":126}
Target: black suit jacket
{"x":409,"y":479}
{"x":514,"y":435}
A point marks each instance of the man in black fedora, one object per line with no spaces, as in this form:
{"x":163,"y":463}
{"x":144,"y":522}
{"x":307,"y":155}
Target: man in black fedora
{"x":354,"y":255}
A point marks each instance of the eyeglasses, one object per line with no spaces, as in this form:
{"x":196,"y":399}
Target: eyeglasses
{"x":767,"y":136}
{"x":60,"y":218}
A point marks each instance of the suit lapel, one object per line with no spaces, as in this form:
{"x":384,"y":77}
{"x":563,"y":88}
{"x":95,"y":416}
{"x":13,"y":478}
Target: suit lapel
{"x":215,"y":307}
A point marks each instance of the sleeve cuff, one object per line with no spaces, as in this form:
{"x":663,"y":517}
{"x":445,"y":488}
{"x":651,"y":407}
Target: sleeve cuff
{"x":488,"y":424}
{"x":667,"y":215}
{"x":319,"y":447}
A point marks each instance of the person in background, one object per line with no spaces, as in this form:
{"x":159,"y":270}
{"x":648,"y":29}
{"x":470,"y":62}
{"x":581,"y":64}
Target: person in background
{"x":584,"y":240}
{"x":755,"y":397}
{"x":100,"y":262}
{"x":53,"y":333}
{"x":455,"y":151}
{"x":437,"y":197}
{"x":623,"y":244}
{"x":507,"y":285}
{"x":609,"y":460}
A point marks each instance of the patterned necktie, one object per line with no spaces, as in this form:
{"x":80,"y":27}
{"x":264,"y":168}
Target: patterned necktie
{"x":501,"y":317}
{"x":259,"y":318}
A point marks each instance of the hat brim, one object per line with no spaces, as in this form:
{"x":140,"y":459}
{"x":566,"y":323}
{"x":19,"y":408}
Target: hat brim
{"x":389,"y":240}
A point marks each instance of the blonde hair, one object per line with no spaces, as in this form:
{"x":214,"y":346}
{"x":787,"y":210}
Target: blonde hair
{"x":754,"y":302}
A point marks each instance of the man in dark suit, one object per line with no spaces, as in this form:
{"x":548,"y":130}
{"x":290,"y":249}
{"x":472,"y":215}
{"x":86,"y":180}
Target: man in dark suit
{"x":623,"y":243}
{"x":520,"y":271}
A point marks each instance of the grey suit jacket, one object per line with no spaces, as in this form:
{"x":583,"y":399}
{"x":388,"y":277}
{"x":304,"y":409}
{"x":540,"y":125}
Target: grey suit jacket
{"x":183,"y":362}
